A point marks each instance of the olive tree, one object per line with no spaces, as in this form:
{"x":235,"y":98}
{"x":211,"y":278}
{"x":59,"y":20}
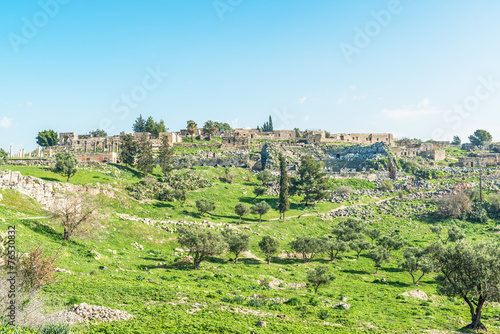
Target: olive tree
{"x":260,"y":209}
{"x":241,"y":210}
{"x":307,"y":246}
{"x":66,"y":164}
{"x":202,"y":242}
{"x":415,"y":261}
{"x":205,"y":205}
{"x":470,"y":271}
{"x":379,"y":255}
{"x":319,"y":276}
{"x":269,"y":246}
{"x":237,"y":243}
{"x":334,"y":247}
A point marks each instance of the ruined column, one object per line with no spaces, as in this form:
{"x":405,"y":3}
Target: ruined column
{"x":85,"y":146}
{"x":11,"y":151}
{"x":95,"y":147}
{"x":50,"y":152}
{"x":23,"y":155}
{"x":38,"y":151}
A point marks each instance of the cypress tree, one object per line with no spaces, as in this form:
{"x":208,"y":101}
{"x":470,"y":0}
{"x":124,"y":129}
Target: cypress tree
{"x":284,"y":202}
{"x":128,"y":150}
{"x":145,"y":156}
{"x":166,"y":156}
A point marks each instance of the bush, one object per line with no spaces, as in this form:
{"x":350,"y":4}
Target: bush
{"x":294,"y":301}
{"x":323,"y":314}
{"x":387,"y":185}
{"x":256,"y":302}
{"x":344,"y":190}
{"x":55,"y":329}
{"x":478,"y":213}
{"x":455,"y":206}
{"x":74,"y":300}
{"x":314,"y":301}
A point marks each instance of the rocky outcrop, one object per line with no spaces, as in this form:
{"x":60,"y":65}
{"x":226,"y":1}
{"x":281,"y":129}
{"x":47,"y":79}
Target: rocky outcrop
{"x":48,"y":193}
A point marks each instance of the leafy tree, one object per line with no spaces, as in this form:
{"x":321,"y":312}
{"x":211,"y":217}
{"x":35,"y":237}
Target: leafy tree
{"x":47,"y":138}
{"x":374,"y":234}
{"x":334,"y":247}
{"x":99,"y":133}
{"x":154,"y":128}
{"x":360,"y":245}
{"x":205,"y":205}
{"x":391,"y":242}
{"x":259,"y":191}
{"x":416,"y":260}
{"x":180,"y":194}
{"x":165,"y":156}
{"x":145,"y":160}
{"x":379,"y":255}
{"x":283,"y":201}
{"x":66,"y":164}
{"x":4,"y":157}
{"x":226,"y":127}
{"x":478,"y":213}
{"x":202,"y":242}
{"x":480,"y":138}
{"x":192,"y":127}
{"x":75,"y":214}
{"x":237,"y":242}
{"x":470,"y":271}
{"x":319,"y":276}
{"x":269,"y":246}
{"x":128,"y":150}
{"x":260,"y":209}
{"x":187,"y":160}
{"x":139,"y":125}
{"x":456,"y":141}
{"x":211,"y":127}
{"x":454,"y":234}
{"x":241,"y":210}
{"x":307,"y":246}
{"x":350,"y":229}
{"x":265,"y":176}
{"x":311,"y":181}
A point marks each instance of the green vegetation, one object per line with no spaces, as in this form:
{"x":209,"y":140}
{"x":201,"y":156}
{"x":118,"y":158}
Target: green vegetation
{"x":66,"y":164}
{"x":47,"y":138}
{"x":156,"y":281}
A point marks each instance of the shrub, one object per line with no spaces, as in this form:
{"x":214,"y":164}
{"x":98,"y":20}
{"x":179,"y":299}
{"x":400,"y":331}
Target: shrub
{"x":455,"y":205}
{"x":323,"y":314}
{"x":478,"y":213}
{"x":387,"y":185}
{"x":294,"y":301}
{"x":74,"y":300}
{"x":256,"y":302}
{"x":54,"y":329}
{"x":344,"y":190}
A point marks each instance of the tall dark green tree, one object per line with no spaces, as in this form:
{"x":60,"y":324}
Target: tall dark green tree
{"x":4,"y":157}
{"x":139,"y":124}
{"x":154,"y":128}
{"x":480,"y":138}
{"x":128,"y":150}
{"x":456,"y":141}
{"x":166,"y":156}
{"x":284,"y":201}
{"x":311,"y":182}
{"x":47,"y":138}
{"x":145,"y":162}
{"x":268,"y":126}
{"x":66,"y":164}
{"x":210,"y":128}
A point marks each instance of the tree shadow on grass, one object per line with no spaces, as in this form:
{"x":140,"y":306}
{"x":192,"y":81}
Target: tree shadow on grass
{"x":50,"y":179}
{"x":163,"y":205}
{"x":43,"y":229}
{"x":245,"y":260}
{"x":128,"y":169}
{"x":356,"y":272}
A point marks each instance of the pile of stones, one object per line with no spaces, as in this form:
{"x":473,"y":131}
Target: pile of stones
{"x":98,"y":313}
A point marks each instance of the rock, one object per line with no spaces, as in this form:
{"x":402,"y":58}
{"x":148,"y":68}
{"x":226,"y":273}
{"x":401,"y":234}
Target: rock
{"x":343,"y":299}
{"x":341,"y":305}
{"x":261,"y":324}
{"x":103,"y":268}
{"x":416,"y":294}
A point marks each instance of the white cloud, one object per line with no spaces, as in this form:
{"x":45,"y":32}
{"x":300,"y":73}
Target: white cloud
{"x":423,"y":108}
{"x":306,"y":118}
{"x":302,"y":100}
{"x":5,"y":122}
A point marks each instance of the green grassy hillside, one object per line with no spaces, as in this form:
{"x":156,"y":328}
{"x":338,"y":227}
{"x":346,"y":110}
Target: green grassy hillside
{"x":167,"y":296}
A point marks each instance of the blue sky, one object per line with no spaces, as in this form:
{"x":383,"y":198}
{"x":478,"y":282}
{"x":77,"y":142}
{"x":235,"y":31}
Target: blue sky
{"x":426,"y":69}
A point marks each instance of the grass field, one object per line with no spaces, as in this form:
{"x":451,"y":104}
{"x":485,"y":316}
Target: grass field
{"x":167,"y":296}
